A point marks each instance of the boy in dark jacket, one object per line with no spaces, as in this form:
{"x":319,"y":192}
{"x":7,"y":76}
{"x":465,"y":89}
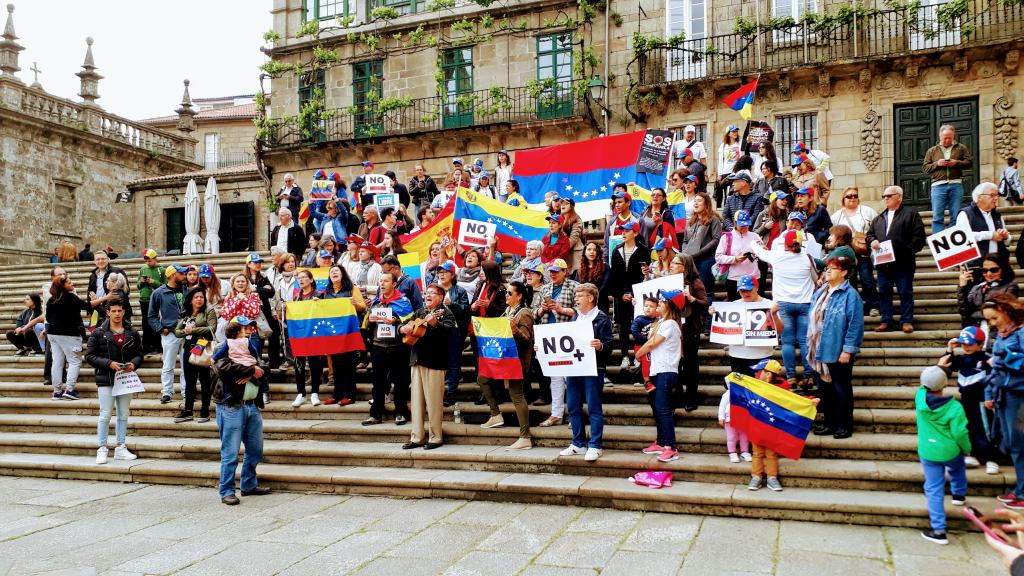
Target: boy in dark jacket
{"x":640,"y":328}
{"x":942,"y":442}
{"x":973,"y":370}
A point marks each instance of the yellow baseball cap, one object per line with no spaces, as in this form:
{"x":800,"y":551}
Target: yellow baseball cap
{"x":149,"y":254}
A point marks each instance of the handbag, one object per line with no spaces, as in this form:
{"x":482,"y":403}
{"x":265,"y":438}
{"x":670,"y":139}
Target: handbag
{"x":263,"y":327}
{"x":721,"y":271}
{"x":860,"y":239}
{"x":201,"y":354}
{"x":652,"y":479}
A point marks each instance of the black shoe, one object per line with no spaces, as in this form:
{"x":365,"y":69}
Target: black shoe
{"x":257,"y":491}
{"x":432,"y":445}
{"x":183,"y":416}
{"x":371,"y":421}
{"x":230,"y":500}
{"x":165,"y":399}
{"x":22,"y":352}
{"x":480,"y":401}
{"x":400,"y":420}
{"x":449,"y":401}
{"x":823,"y":431}
{"x":933,"y":536}
{"x":689,"y":407}
{"x":842,"y":434}
{"x":411,"y":445}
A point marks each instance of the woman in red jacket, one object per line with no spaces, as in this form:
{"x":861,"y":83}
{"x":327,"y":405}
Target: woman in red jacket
{"x":556,"y":243}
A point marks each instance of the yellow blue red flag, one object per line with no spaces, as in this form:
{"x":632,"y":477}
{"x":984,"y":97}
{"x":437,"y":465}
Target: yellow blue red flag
{"x":771,"y":416}
{"x":676,"y":201}
{"x":323,"y":327}
{"x":496,"y":349}
{"x":742,"y":100}
{"x":515,"y":226}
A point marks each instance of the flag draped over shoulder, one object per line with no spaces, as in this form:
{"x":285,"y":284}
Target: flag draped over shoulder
{"x":585,"y":171}
{"x":515,"y":226}
{"x":742,"y":100}
{"x":410,"y":262}
{"x":772,"y":417}
{"x":675,"y":200}
{"x":497,"y":354}
{"x":323,"y":327}
{"x":442,"y":230}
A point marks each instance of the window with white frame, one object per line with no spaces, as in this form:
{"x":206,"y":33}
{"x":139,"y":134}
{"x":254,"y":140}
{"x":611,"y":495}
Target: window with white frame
{"x":793,"y":8}
{"x":211,"y":151}
{"x":323,"y":9}
{"x":689,"y":18}
{"x":793,"y":128}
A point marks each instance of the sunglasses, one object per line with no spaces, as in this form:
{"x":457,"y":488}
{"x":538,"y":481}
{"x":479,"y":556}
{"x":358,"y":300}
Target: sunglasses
{"x":851,"y":196}
{"x":889,"y":195}
{"x":991,"y":270}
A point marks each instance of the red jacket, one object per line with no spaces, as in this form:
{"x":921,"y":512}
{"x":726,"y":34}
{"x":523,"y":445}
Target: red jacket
{"x":560,"y":249}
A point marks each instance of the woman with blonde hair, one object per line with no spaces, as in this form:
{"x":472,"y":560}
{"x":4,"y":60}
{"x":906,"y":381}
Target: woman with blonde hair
{"x":241,"y":301}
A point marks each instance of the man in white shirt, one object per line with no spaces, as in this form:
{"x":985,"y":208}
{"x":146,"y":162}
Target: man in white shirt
{"x":986,"y":223}
{"x":690,"y":141}
{"x":287,"y":236}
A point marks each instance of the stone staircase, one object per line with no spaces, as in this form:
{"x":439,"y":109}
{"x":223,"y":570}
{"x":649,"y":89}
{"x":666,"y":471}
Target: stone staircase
{"x":873,"y":478}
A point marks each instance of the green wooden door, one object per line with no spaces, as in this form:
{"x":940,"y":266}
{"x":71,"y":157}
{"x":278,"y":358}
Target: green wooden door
{"x":237,"y":227}
{"x":917,"y":130}
{"x":554,"y":70}
{"x":457,"y":64}
{"x":174,"y":219}
{"x":367,"y":90}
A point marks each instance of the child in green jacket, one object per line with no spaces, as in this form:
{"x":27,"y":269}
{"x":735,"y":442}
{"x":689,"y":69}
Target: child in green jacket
{"x":942,"y":442}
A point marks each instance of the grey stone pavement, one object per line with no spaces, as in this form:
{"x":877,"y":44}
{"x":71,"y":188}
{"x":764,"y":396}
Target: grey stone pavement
{"x":71,"y":527}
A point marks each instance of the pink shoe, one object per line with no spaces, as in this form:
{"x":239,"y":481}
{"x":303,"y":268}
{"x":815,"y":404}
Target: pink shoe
{"x":668,"y":454}
{"x":653,"y":449}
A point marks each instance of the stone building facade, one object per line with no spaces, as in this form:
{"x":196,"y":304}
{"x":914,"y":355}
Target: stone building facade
{"x":869,"y":84}
{"x":64,"y":165}
{"x":224,"y":130}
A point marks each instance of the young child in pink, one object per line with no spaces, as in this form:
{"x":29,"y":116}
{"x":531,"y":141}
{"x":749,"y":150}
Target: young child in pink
{"x":732,"y":435}
{"x":238,"y":351}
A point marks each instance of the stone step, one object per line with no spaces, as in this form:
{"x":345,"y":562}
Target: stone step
{"x":875,"y":508}
{"x":862,"y":446}
{"x":708,"y":468}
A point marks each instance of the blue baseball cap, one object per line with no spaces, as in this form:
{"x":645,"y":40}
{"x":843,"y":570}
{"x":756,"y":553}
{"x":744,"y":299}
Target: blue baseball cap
{"x":746,"y":283}
{"x":554,"y":218}
{"x":970,"y":335}
{"x":777,"y":195}
{"x":457,"y":161}
{"x":366,"y":163}
{"x":691,"y":178}
{"x":448,"y":266}
{"x":630,"y":225}
{"x":326,"y":254}
{"x":205,"y":271}
{"x":254,"y":257}
{"x":804,"y":191}
{"x":478,"y":162}
{"x":659,"y":244}
{"x":484,"y":174}
{"x":798,"y":147}
{"x":243,"y":320}
{"x":743,"y":218}
{"x":179,"y":268}
{"x":677,"y":297}
{"x":732,"y":128}
{"x":796,"y":215}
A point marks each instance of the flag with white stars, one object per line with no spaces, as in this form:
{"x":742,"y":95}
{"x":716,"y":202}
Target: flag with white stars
{"x":514,"y":226}
{"x":323,"y":327}
{"x":771,"y":416}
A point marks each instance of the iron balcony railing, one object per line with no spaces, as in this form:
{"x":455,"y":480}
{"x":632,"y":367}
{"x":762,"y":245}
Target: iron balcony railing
{"x":394,"y":116}
{"x":881,"y":34}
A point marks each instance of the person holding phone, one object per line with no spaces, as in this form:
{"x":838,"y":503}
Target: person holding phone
{"x":942,"y":442}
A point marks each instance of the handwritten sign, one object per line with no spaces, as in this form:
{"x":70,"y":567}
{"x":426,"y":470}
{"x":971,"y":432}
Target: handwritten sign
{"x":564,"y":349}
{"x":476,"y":233}
{"x":127,"y":383}
{"x":953,"y":246}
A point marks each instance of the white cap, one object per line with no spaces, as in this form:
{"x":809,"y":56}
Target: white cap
{"x":933,"y":378}
{"x":690,"y":128}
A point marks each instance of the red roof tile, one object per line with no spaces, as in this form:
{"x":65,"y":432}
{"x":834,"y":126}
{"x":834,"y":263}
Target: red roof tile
{"x":240,"y":111}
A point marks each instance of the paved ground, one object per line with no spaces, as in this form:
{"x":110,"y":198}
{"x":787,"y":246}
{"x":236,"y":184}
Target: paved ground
{"x":71,"y":527}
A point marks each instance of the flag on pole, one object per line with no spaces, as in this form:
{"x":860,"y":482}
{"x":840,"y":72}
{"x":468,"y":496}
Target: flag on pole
{"x":772,"y":417}
{"x":742,"y":100}
{"x":304,"y":214}
{"x":497,"y":354}
{"x":323,"y":327}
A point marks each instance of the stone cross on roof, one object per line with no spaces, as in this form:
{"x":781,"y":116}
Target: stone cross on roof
{"x":36,"y":72}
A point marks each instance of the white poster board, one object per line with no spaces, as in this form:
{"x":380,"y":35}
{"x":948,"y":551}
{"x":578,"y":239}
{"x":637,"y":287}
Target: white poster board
{"x":953,"y":246}
{"x":127,"y":383}
{"x":727,"y":323}
{"x":386,"y":200}
{"x":377,"y":184}
{"x":651,"y":288}
{"x":744,"y":323}
{"x":476,"y":233}
{"x":384,"y":330}
{"x":564,"y":349}
{"x":884,"y":253}
{"x":758,"y":326}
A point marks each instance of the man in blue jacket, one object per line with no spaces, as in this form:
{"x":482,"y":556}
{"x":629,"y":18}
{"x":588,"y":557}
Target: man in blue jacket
{"x":165,"y":308}
{"x":406,"y":284}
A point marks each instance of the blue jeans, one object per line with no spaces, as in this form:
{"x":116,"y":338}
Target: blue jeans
{"x":935,"y":487}
{"x":1011,"y":418}
{"x":794,"y":318}
{"x":868,"y":286}
{"x":578,"y":388}
{"x":900,"y":274}
{"x":945,"y":196}
{"x":239,"y":425}
{"x":663,"y":417}
{"x":704,"y":269}
{"x":107,"y":401}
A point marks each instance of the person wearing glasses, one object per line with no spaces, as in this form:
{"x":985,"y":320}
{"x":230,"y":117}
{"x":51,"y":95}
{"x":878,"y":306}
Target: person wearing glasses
{"x":996,"y":278}
{"x":985,"y":221}
{"x":904,"y":227}
{"x":858,"y":217}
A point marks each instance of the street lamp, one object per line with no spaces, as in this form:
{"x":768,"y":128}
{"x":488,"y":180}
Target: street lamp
{"x":596,"y":88}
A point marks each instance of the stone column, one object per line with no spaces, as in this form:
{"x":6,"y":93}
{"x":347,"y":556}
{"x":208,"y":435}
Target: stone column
{"x":187,"y":124}
{"x":89,"y":91}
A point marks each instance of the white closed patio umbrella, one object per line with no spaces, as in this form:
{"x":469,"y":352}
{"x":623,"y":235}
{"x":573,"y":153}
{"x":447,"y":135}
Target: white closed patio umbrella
{"x":211,"y":210}
{"x":193,"y":242}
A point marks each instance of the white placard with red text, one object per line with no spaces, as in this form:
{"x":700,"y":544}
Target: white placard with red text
{"x":884,"y":253}
{"x":476,"y":233}
{"x":953,"y":247}
{"x":728,"y":322}
{"x":377,"y":184}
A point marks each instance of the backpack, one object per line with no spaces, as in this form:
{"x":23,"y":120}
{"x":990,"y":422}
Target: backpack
{"x":721,"y":271}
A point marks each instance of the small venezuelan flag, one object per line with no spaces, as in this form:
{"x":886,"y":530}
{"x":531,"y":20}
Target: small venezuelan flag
{"x":410,"y":262}
{"x":304,"y":214}
{"x":322,"y":188}
{"x":742,"y":100}
{"x":772,"y":417}
{"x":676,"y":201}
{"x":323,"y":327}
{"x":498,"y":357}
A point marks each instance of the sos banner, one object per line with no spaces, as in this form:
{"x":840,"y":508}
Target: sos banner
{"x":953,"y":246}
{"x":654,"y":151}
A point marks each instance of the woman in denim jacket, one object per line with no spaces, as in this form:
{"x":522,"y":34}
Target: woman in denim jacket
{"x":1005,"y":391}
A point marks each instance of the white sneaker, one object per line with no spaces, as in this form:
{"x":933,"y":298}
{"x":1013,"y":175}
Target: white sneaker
{"x":101,"y":455}
{"x":746,"y":457}
{"x":573,"y":450}
{"x":122,"y":453}
{"x":314,"y":399}
{"x":971,"y":462}
{"x":734,"y":458}
{"x":592,"y":454}
{"x":991,"y":468}
{"x":298,"y":401}
{"x":625,"y":362}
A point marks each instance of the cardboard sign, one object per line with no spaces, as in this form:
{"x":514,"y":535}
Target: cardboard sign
{"x":476,"y":233}
{"x":884,"y":254}
{"x":759,"y":328}
{"x":953,"y":246}
{"x":654,"y":151}
{"x":613,"y":244}
{"x":564,"y":349}
{"x":384,"y":330}
{"x":759,"y":133}
{"x":728,"y":323}
{"x":377,"y":184}
{"x":321,"y":189}
{"x":386,"y":200}
{"x":126,"y":383}
{"x":651,"y":288}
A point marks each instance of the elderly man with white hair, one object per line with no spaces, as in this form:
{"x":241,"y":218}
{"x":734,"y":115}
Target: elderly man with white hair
{"x":903,"y":228}
{"x":986,"y":223}
{"x":290,"y":197}
{"x":534,"y":248}
{"x":288,"y":235}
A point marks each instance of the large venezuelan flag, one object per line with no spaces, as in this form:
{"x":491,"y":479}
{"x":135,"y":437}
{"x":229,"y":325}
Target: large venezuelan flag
{"x":772,"y":417}
{"x":676,"y":203}
{"x":322,"y":327}
{"x":515,"y":226}
{"x":742,"y":100}
{"x":585,"y":171}
{"x":442,"y":230}
{"x":496,"y":349}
